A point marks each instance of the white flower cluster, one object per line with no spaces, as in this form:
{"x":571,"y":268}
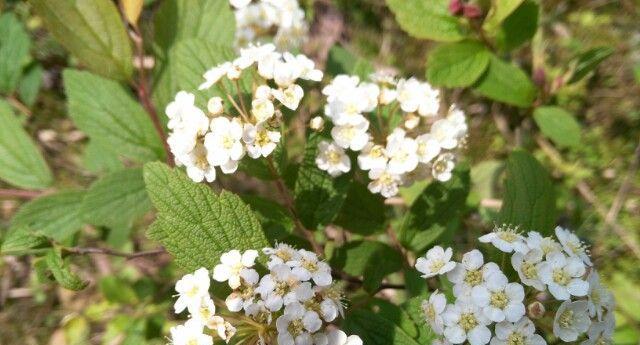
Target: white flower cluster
{"x":280,"y":21}
{"x":546,"y":267}
{"x":202,"y":141}
{"x":289,"y":305}
{"x":423,"y":145}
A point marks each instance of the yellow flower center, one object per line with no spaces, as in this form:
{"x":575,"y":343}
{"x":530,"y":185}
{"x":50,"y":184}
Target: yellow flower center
{"x":499,"y":299}
{"x":515,"y":338}
{"x":333,"y":157}
{"x":296,"y":327}
{"x":560,"y":277}
{"x":436,"y":265}
{"x":566,"y":319}
{"x":473,"y":277}
{"x":529,"y":270}
{"x":430,"y":312}
{"x":468,"y":321}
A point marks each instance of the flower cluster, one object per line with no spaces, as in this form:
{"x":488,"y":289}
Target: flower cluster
{"x":289,"y":305}
{"x":280,"y":21}
{"x":221,"y":136}
{"x":548,"y":270}
{"x":362,"y":113}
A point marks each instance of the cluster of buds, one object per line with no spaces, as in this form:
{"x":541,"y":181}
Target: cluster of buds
{"x":220,"y":137}
{"x":279,"y":21}
{"x":291,"y":304}
{"x":555,"y":280}
{"x":423,"y":144}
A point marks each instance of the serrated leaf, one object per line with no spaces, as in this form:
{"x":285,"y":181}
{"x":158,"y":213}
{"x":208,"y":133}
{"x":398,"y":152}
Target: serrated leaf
{"x":196,"y":225}
{"x":529,"y":198}
{"x":362,"y":212}
{"x":98,"y":158}
{"x":14,"y":51}
{"x":427,"y":19}
{"x":370,"y":259}
{"x":318,"y":196}
{"x":588,"y":61}
{"x":413,"y":308}
{"x":21,"y":163}
{"x":558,"y":125}
{"x":519,"y":27}
{"x":30,"y":83}
{"x":21,"y":240}
{"x":107,"y":113}
{"x":374,"y":329}
{"x":457,"y":64}
{"x":275,"y":219}
{"x":62,"y":273}
{"x":499,"y":11}
{"x":92,"y":31}
{"x":506,"y":83}
{"x":116,"y":200}
{"x":56,"y":215}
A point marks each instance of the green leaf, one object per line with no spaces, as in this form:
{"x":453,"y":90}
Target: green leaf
{"x":375,"y":329}
{"x":92,"y":31}
{"x":204,"y":20}
{"x":438,"y":209}
{"x":275,"y":219}
{"x":413,"y":308}
{"x":342,"y":61}
{"x":558,"y":125}
{"x":457,"y":64}
{"x":98,"y":158}
{"x":116,"y":200}
{"x":519,"y":27}
{"x":196,"y":225}
{"x":14,"y":51}
{"x":107,"y":113}
{"x":506,"y":83}
{"x":318,"y":196}
{"x":370,"y":259}
{"x":116,"y":290}
{"x":362,"y":212}
{"x":427,"y":19}
{"x":260,"y":167}
{"x":21,"y":240}
{"x":21,"y":163}
{"x":529,"y":199}
{"x":62,"y":273}
{"x":500,"y":10}
{"x":56,"y":215}
{"x":29,"y":86}
{"x":588,"y":61}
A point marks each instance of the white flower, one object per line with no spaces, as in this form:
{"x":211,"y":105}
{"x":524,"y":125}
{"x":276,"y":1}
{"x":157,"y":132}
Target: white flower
{"x":433,"y":309}
{"x":188,"y":132}
{"x":527,"y":267}
{"x":204,"y":312}
{"x":443,"y":166}
{"x":189,"y":334}
{"x":600,"y":333}
{"x":231,"y":266}
{"x":239,"y":3}
{"x":416,"y":96}
{"x":428,"y":147}
{"x":437,"y":261}
{"x":260,"y":141}
{"x":214,"y":106}
{"x":332,"y":159}
{"x":262,"y":109}
{"x":267,"y":63}
{"x":224,"y":329}
{"x":195,"y":161}
{"x":373,"y":156}
{"x":340,"y":85}
{"x":505,"y":238}
{"x":384,"y":182}
{"x":191,"y":288}
{"x":446,"y":133}
{"x":370,"y":92}
{"x":252,"y":54}
{"x":286,"y":72}
{"x":464,"y":321}
{"x":599,"y":297}
{"x":522,"y":332}
{"x":316,"y":123}
{"x":402,"y":152}
{"x":296,"y":325}
{"x":572,"y":245}
{"x":263,"y":92}
{"x":281,"y":254}
{"x":243,"y":296}
{"x":183,"y":103}
{"x":441,"y":342}
{"x":331,"y":302}
{"x":290,"y":96}
{"x":308,"y":68}
{"x":470,"y":272}
{"x":571,"y":320}
{"x":353,"y":137}
{"x":307,"y":267}
{"x":546,"y":244}
{"x":563,"y":276}
{"x":213,"y":75}
{"x":282,"y":287}
{"x":338,"y":337}
{"x":223,"y":143}
{"x":346,"y":110}
{"x":499,"y":299}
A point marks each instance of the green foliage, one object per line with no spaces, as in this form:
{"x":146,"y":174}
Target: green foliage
{"x":500,"y":10}
{"x":558,"y":125}
{"x":413,"y":308}
{"x":62,"y":273}
{"x":30,"y":83}
{"x":92,"y":31}
{"x":519,"y":27}
{"x":376,"y":329}
{"x":14,"y":51}
{"x":588,"y":61}
{"x":107,"y":113}
{"x":506,"y":83}
{"x":21,"y":164}
{"x":21,"y":240}
{"x":195,"y":225}
{"x":57,"y":216}
{"x":362,"y":212}
{"x":275,"y":219}
{"x":529,"y":197}
{"x":341,"y":61}
{"x":427,"y":19}
{"x":98,"y":158}
{"x":457,"y":64}
{"x":117,"y":290}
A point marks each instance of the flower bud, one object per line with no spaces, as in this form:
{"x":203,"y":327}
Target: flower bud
{"x":411,"y":121}
{"x":215,"y":106}
{"x":317,"y":123}
{"x":471,"y":11}
{"x":455,"y":7}
{"x":536,"y":310}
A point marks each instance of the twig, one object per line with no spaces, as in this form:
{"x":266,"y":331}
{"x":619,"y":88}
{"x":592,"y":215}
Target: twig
{"x":11,"y":99}
{"x":111,"y":252}
{"x":19,"y":193}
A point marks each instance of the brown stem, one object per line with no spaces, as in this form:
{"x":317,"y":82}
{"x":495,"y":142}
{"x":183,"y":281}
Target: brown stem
{"x":11,"y":99}
{"x":19,"y":193}
{"x":111,"y":252}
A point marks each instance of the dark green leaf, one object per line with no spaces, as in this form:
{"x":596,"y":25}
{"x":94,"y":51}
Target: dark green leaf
{"x":14,"y":51}
{"x":500,"y":10}
{"x":457,"y":64}
{"x":506,"y":83}
{"x":519,"y":27}
{"x":275,"y":219}
{"x":427,"y":19}
{"x":56,"y":215}
{"x":62,"y":273}
{"x":588,"y":61}
{"x":558,"y":125}
{"x":376,"y":329}
{"x":413,"y":308}
{"x":362,"y":212}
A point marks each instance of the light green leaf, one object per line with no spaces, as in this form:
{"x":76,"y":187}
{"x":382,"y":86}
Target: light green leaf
{"x":116,"y":290}
{"x":62,"y":273}
{"x":107,"y":113}
{"x":21,"y":164}
{"x":588,"y":61}
{"x":413,"y":308}
{"x":196,"y":225}
{"x":506,"y":83}
{"x":116,"y":200}
{"x":376,"y":329}
{"x":56,"y":215}
{"x":519,"y":27}
{"x":21,"y":241}
{"x":500,"y":10}
{"x":29,"y":86}
{"x":318,"y":196}
{"x":529,"y":199}
{"x":362,"y":212}
{"x":457,"y":64}
{"x":342,"y":61}
{"x":427,"y":19}
{"x":14,"y":51}
{"x":92,"y":31}
{"x":558,"y":125}
{"x":275,"y":219}
{"x":98,"y":158}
